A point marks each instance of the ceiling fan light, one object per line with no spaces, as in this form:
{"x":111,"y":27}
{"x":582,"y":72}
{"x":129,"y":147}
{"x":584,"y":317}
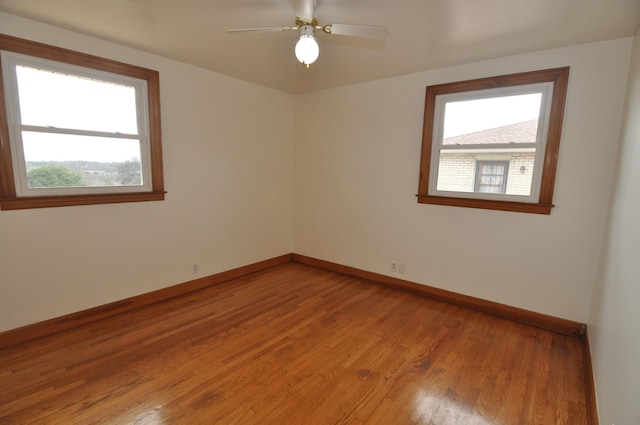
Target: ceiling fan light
{"x":307,"y":49}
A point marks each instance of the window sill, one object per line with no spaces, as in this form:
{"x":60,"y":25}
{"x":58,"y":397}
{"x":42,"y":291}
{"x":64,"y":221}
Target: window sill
{"x":524,"y":207}
{"x":72,"y":200}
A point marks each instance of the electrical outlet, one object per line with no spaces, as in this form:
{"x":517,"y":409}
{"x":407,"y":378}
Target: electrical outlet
{"x":195,"y":268}
{"x":402,"y":268}
{"x":394,"y":266}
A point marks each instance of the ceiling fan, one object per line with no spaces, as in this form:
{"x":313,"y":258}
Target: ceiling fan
{"x":307,"y":49}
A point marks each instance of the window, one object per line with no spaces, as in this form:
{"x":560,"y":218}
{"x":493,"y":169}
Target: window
{"x":493,"y":143}
{"x":491,"y":176}
{"x":76,"y":129}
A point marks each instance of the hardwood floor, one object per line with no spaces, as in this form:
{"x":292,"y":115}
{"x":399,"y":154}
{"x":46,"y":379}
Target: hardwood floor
{"x":296,"y":345}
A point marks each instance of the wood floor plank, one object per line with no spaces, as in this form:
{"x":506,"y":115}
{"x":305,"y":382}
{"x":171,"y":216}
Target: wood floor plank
{"x":296,"y":345}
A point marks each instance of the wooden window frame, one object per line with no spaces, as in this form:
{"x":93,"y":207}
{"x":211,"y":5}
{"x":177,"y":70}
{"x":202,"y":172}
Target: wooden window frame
{"x":560,"y":78}
{"x":8,"y":196}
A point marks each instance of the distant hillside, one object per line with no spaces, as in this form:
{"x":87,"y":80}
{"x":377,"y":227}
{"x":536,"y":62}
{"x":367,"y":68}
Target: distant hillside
{"x":99,"y":173}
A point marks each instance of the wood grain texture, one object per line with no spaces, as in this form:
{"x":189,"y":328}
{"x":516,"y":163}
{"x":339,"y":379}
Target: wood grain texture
{"x":49,"y":327}
{"x":559,"y":77}
{"x":296,"y":345}
{"x":590,"y":385}
{"x":8,"y":198}
{"x":532,"y":318}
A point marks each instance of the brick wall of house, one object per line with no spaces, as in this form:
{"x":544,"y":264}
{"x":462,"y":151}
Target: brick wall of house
{"x":457,"y":171}
{"x":519,"y":182}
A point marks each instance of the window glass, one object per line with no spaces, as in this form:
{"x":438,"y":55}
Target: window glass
{"x":491,"y":176}
{"x":99,"y":161}
{"x":493,"y":142}
{"x":467,"y":122}
{"x":489,"y":125}
{"x":53,"y":99}
{"x":81,"y":129}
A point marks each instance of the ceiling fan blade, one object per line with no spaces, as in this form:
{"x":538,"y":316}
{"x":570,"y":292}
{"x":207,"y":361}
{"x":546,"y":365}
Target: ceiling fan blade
{"x":263,"y":29}
{"x":365,"y":31}
{"x":305,"y":9}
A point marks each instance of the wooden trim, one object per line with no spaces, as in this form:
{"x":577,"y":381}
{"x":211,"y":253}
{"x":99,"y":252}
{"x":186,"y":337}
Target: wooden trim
{"x":59,"y":54}
{"x":155,"y":132}
{"x":487,"y":204}
{"x":19,"y":203}
{"x":560,"y":78}
{"x":52,"y":326}
{"x":589,"y":382}
{"x":58,"y":324}
{"x":7,"y":184}
{"x":8,"y":198}
{"x":527,"y":317}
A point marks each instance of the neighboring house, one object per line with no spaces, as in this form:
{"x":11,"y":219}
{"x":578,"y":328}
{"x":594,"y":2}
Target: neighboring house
{"x":490,"y":170}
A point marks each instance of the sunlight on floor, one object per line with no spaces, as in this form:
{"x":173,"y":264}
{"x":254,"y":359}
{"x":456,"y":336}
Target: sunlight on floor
{"x":428,"y":407}
{"x":150,"y":417}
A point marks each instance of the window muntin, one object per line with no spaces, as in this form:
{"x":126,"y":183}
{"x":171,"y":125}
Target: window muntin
{"x":74,"y":120}
{"x":80,"y":115}
{"x":102,"y":163}
{"x":515,"y":118}
{"x":494,"y":121}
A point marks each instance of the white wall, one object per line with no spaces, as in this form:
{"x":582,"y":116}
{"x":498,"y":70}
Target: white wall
{"x":613,"y":324}
{"x":357,"y":155}
{"x":241,"y":189}
{"x":228,"y":150}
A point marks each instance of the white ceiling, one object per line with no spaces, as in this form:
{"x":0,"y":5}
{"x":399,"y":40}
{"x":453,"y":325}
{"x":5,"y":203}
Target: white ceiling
{"x":423,"y":34}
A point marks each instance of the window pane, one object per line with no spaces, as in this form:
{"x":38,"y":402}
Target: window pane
{"x":478,"y":171}
{"x":97,"y":161}
{"x":67,"y":101}
{"x":491,"y":176}
{"x":509,"y":119}
{"x":516,"y":118}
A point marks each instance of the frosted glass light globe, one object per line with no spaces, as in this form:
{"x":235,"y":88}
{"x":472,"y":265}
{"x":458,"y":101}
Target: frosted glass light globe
{"x":307,"y":49}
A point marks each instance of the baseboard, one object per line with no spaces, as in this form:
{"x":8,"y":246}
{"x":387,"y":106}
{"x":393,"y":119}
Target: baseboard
{"x":37,"y":330}
{"x":589,"y":382}
{"x":52,"y":326}
{"x":552,"y":323}
{"x":48,"y":327}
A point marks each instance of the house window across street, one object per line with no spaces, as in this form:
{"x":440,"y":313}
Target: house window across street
{"x":491,"y":176}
